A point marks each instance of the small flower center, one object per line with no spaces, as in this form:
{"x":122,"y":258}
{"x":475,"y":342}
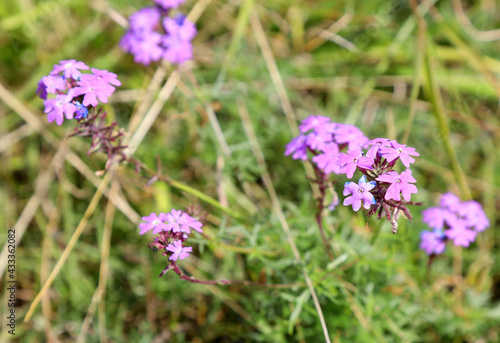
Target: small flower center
{"x":361,"y":190}
{"x":156,"y":222}
{"x":398,"y":181}
{"x":400,"y":150}
{"x":355,"y":160}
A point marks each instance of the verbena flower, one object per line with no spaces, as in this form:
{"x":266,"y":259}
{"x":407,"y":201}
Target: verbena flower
{"x":433,"y":242}
{"x":172,"y":229}
{"x":187,"y":222}
{"x":449,"y":201}
{"x":54,"y":84}
{"x":335,"y":148}
{"x":92,"y":90}
{"x":145,"y":20}
{"x":352,"y":160}
{"x":375,"y":146}
{"x":75,"y":92}
{"x":327,"y":160}
{"x":69,"y":69}
{"x":359,"y":193}
{"x":351,"y":135}
{"x":168,"y":4}
{"x":459,"y":233}
{"x":59,"y":108}
{"x":313,"y":122}
{"x":461,"y":221}
{"x":436,"y":217}
{"x":297,"y":148}
{"x":173,"y":220}
{"x":148,"y":41}
{"x":401,"y":151}
{"x":178,"y":251}
{"x":399,"y":183}
{"x":155,"y":222}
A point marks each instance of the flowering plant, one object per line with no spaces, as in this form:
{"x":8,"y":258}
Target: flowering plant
{"x":75,"y":93}
{"x":453,"y":220}
{"x":380,"y":188}
{"x":172,"y":229}
{"x":77,"y":96}
{"x":153,"y":35}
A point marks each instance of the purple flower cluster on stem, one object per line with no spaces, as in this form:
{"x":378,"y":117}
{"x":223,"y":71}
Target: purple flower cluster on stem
{"x":75,"y":93}
{"x":453,"y":220}
{"x":172,"y":229}
{"x":154,"y":36}
{"x":322,"y":142}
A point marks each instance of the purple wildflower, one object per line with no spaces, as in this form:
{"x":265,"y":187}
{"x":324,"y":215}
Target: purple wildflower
{"x":359,"y":192}
{"x":178,"y":251}
{"x":474,"y":215}
{"x":55,"y":108}
{"x":42,"y":90}
{"x":145,"y":48}
{"x":69,"y":69}
{"x":327,"y":161}
{"x":375,"y":146}
{"x":459,"y":233}
{"x":312,"y":122}
{"x":153,"y":222}
{"x":174,"y":220}
{"x":145,"y":20}
{"x":92,"y":88}
{"x":180,"y":27}
{"x":54,"y":83}
{"x":177,"y":50}
{"x":400,"y":151}
{"x":400,"y":183}
{"x":106,"y":79}
{"x":436,"y":217}
{"x":351,"y":135}
{"x":297,"y":148}
{"x":449,"y":201}
{"x":168,"y":4}
{"x":352,"y":160}
{"x":432,"y":242}
{"x":318,"y":140}
{"x":187,"y":223}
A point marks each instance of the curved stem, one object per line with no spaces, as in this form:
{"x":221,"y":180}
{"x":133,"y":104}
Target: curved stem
{"x":224,"y":282}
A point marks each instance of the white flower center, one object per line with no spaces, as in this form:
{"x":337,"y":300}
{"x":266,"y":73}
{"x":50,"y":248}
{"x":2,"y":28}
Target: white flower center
{"x":398,"y":181}
{"x":156,"y":222}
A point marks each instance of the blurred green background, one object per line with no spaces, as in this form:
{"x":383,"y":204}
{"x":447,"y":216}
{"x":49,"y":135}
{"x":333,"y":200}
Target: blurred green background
{"x":429,"y":75}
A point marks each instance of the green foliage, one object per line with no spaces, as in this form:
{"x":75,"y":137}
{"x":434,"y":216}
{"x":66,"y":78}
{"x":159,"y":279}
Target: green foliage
{"x":378,"y":287}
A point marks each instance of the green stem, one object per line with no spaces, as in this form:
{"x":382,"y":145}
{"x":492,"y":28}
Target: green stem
{"x":202,"y":197}
{"x":437,"y":104}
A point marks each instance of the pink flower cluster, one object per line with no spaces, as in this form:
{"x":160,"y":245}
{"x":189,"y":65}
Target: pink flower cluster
{"x":173,"y":229}
{"x":153,"y":36}
{"x":453,"y":220}
{"x":321,"y":141}
{"x":75,"y":92}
